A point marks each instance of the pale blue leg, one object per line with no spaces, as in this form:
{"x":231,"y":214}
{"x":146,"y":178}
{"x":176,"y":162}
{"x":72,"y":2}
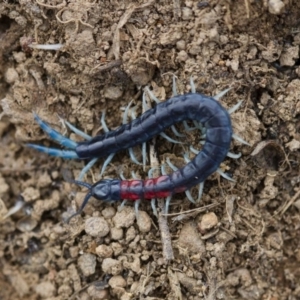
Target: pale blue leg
{"x":193,"y":87}
{"x":176,"y":132}
{"x":126,"y":113}
{"x":162,"y":134}
{"x":152,"y":96}
{"x":77,"y":131}
{"x":200,"y":191}
{"x":54,"y":152}
{"x":187,"y":127}
{"x":87,"y":168}
{"x":233,"y":155}
{"x":103,"y":123}
{"x":154,"y":207}
{"x":105,"y":164}
{"x":144,"y":154}
{"x":224,"y":175}
{"x":54,"y":135}
{"x":132,"y":156}
{"x":234,"y":108}
{"x":174,"y":88}
{"x":173,"y":167}
{"x":168,"y":200}
{"x":120,"y":208}
{"x":238,"y":138}
{"x":193,"y":150}
{"x":221,"y":94}
{"x":136,"y":207}
{"x":189,"y":196}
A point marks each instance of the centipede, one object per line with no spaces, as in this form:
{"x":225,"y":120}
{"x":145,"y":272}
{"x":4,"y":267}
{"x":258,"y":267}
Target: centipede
{"x":205,"y":110}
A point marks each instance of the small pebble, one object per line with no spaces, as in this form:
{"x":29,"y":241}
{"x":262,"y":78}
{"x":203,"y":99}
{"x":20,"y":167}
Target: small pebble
{"x":125,"y":217}
{"x":104,"y":251}
{"x":112,"y":266}
{"x":87,"y":264}
{"x":117,"y":281}
{"x":96,"y":227}
{"x":144,"y":222}
{"x":208,"y":221}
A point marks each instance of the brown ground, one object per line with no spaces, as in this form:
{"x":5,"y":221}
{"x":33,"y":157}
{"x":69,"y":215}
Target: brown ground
{"x":242,"y":241}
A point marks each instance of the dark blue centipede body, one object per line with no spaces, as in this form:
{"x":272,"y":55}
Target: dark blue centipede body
{"x":198,"y":107}
{"x":185,"y":107}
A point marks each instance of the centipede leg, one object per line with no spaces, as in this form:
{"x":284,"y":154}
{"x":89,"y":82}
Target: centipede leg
{"x":136,"y":207}
{"x":153,"y":206}
{"x":174,"y":87}
{"x":224,"y":175}
{"x":233,"y":155}
{"x":106,"y":162}
{"x":121,"y":207}
{"x":201,"y":184}
{"x":238,"y":138}
{"x":168,"y":200}
{"x":192,"y":83}
{"x":77,"y":131}
{"x":221,"y":94}
{"x":86,"y":168}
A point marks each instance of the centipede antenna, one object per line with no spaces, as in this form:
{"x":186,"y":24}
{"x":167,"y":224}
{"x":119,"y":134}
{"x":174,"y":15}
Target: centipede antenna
{"x":120,"y":208}
{"x":233,"y":155}
{"x":151,"y":95}
{"x":168,"y":200}
{"x":174,"y":88}
{"x":192,"y":83}
{"x":87,"y":168}
{"x":173,"y":167}
{"x":200,"y":191}
{"x":136,"y":207}
{"x":77,"y":131}
{"x":81,"y":183}
{"x":126,"y":113}
{"x":132,"y":156}
{"x":103,"y":123}
{"x":153,"y":206}
{"x":221,"y":94}
{"x":69,"y":154}
{"x":224,"y":175}
{"x":238,"y":138}
{"x":234,"y":108}
{"x":176,"y":132}
{"x":55,"y":135}
{"x":189,"y":196}
{"x":106,"y":162}
{"x":84,"y":203}
{"x":162,"y":134}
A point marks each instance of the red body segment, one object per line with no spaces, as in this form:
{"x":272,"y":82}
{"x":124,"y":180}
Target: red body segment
{"x":144,"y":189}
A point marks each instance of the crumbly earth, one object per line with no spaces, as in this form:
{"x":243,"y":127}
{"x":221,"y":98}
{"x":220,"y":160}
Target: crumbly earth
{"x":241,"y":241}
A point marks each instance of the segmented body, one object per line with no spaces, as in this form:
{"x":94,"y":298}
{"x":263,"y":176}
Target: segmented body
{"x":201,"y":108}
